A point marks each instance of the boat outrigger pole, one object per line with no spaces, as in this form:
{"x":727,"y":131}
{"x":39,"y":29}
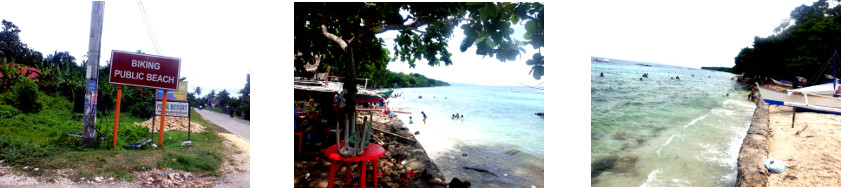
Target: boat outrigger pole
{"x":834,"y":69}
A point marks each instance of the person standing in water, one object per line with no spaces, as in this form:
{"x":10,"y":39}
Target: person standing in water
{"x":601,"y":75}
{"x":424,"y":117}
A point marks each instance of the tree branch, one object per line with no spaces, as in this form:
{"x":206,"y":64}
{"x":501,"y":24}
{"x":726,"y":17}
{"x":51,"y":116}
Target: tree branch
{"x":334,"y":38}
{"x":416,"y":24}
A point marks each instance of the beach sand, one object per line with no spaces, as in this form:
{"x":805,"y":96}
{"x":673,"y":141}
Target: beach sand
{"x":432,"y":140}
{"x":813,"y":158}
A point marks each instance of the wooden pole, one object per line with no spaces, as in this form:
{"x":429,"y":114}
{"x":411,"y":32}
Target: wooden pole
{"x":163,"y":122}
{"x":392,"y":134}
{"x":793,"y":113}
{"x":117,"y":115}
{"x":189,"y":124}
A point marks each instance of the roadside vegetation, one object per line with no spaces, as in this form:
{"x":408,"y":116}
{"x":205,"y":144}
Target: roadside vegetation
{"x":47,"y":140}
{"x":222,"y":102}
{"x":41,"y":100}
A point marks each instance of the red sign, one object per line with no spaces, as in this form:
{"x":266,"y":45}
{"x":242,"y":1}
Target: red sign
{"x":144,"y":70}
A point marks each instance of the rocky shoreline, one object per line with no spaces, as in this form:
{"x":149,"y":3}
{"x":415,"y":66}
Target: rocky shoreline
{"x":754,"y":151}
{"x":405,"y":163}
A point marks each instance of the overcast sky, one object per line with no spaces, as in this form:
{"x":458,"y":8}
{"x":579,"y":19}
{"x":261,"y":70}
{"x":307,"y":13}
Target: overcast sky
{"x":468,"y":67}
{"x":683,"y":33}
{"x":217,"y":42}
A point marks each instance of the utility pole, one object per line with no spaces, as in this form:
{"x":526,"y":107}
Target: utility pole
{"x":92,"y":75}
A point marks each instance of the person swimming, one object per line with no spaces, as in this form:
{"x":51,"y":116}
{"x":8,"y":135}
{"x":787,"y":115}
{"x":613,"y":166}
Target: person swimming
{"x":601,"y":75}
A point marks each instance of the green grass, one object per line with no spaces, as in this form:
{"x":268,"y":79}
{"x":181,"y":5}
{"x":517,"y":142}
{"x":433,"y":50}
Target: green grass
{"x":41,"y":140}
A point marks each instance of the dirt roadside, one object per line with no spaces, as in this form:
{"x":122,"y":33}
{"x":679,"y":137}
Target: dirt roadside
{"x":235,"y":173}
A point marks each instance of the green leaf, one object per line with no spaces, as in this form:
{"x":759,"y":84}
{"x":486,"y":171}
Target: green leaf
{"x":530,"y":26}
{"x":481,"y":39}
{"x":492,"y":10}
{"x":490,"y":43}
{"x":530,"y":62}
{"x":537,"y":72}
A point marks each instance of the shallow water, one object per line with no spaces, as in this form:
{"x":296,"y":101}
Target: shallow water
{"x":665,"y":132}
{"x":496,"y":120}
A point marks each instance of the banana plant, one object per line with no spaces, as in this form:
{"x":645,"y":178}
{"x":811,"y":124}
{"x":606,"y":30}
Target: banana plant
{"x":10,"y":73}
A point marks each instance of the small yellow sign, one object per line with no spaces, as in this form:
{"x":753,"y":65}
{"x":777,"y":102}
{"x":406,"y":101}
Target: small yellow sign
{"x":178,"y":95}
{"x":181,"y":94}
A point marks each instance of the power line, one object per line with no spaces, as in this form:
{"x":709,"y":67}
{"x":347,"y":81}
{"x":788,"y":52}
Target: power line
{"x":149,"y":28}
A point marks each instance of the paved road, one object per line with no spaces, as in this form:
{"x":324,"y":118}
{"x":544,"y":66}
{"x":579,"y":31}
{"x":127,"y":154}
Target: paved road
{"x":239,"y":127}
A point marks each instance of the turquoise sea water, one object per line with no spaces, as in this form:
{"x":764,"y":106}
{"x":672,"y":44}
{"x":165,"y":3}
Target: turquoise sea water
{"x":665,"y":132}
{"x":496,"y":120}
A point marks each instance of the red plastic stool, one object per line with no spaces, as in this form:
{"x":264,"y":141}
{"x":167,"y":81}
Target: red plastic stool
{"x":300,"y":136}
{"x":372,"y":154}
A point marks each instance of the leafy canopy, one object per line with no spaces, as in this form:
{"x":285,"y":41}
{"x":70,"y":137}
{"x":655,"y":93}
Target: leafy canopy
{"x":341,"y":34}
{"x":802,"y":48}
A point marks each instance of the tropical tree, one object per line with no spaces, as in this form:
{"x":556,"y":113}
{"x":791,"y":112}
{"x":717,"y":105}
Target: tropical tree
{"x":10,"y":73}
{"x":198,"y":91}
{"x":13,"y":49}
{"x":224,"y":98}
{"x":246,"y":91}
{"x":243,"y":104}
{"x":63,"y":61}
{"x":344,"y":34}
{"x":801,"y":46}
{"x":209,"y":98}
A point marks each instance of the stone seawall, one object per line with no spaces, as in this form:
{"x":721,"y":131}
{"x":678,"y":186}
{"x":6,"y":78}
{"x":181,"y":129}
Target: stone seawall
{"x":754,"y":151}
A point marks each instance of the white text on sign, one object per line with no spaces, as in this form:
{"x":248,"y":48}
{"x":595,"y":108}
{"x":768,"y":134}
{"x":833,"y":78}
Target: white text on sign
{"x":143,"y":76}
{"x":145,"y":64}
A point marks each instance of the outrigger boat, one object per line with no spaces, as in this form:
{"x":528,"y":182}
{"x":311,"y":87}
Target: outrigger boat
{"x":817,"y":98}
{"x":367,"y":97}
{"x":822,"y":98}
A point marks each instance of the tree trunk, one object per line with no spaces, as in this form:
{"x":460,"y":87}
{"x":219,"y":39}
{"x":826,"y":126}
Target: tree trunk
{"x":350,"y":85}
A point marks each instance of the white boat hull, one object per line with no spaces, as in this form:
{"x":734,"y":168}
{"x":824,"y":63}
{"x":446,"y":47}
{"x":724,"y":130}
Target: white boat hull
{"x":800,"y":100}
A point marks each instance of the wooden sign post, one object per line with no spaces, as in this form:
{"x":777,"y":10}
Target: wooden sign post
{"x":117,"y":113}
{"x":163,"y":117}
